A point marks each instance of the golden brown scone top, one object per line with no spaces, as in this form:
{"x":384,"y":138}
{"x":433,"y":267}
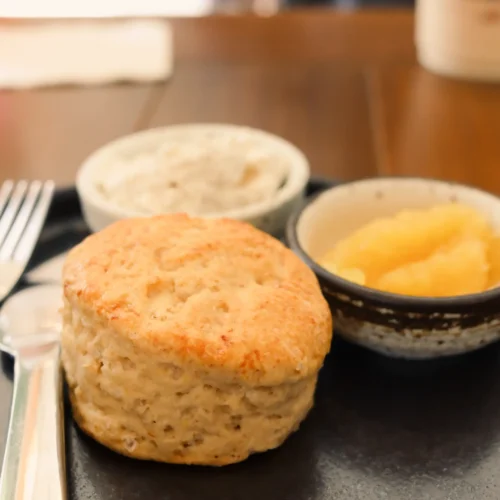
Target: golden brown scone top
{"x":216,"y":293}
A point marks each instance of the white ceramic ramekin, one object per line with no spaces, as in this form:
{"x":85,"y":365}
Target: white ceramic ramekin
{"x":270,"y":216}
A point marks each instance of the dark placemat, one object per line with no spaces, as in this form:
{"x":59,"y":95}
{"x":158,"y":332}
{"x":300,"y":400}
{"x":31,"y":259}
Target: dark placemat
{"x":381,"y":428}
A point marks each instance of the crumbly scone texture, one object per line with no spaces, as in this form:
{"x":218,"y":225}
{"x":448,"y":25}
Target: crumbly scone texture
{"x":190,"y":340}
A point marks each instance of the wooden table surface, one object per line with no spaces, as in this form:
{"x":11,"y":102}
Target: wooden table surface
{"x":343,"y":85}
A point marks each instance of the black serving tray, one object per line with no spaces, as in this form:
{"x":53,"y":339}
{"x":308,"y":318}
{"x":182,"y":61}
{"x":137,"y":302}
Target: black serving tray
{"x":381,"y":428}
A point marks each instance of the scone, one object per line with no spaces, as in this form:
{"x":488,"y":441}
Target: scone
{"x":190,"y":340}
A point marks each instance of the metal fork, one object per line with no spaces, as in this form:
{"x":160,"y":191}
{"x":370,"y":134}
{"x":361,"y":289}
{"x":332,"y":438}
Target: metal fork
{"x":23,"y":209}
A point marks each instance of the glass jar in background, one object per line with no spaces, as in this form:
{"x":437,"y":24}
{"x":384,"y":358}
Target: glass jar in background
{"x":459,"y":38}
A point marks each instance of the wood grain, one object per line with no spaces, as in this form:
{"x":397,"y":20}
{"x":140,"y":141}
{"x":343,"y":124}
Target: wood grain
{"x":426,"y":125}
{"x":314,"y":34}
{"x":48,"y":133}
{"x":322,"y":108}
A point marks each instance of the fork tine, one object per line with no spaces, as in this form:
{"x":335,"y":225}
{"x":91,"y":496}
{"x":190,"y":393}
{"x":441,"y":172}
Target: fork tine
{"x":20,"y":221}
{"x":5,"y":193}
{"x":12,"y":208}
{"x":30,"y":236}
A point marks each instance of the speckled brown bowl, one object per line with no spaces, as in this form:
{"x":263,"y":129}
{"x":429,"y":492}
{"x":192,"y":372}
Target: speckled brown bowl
{"x":396,"y":325}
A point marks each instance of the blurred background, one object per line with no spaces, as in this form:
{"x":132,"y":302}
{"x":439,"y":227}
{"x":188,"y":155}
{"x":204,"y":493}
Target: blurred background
{"x":363,"y":87}
{"x":61,"y":8}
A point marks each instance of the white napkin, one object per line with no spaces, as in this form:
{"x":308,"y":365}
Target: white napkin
{"x":39,"y":53}
{"x":104,"y":8}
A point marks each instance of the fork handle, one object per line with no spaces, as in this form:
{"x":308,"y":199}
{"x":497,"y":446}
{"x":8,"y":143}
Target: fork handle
{"x":34,"y":459}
